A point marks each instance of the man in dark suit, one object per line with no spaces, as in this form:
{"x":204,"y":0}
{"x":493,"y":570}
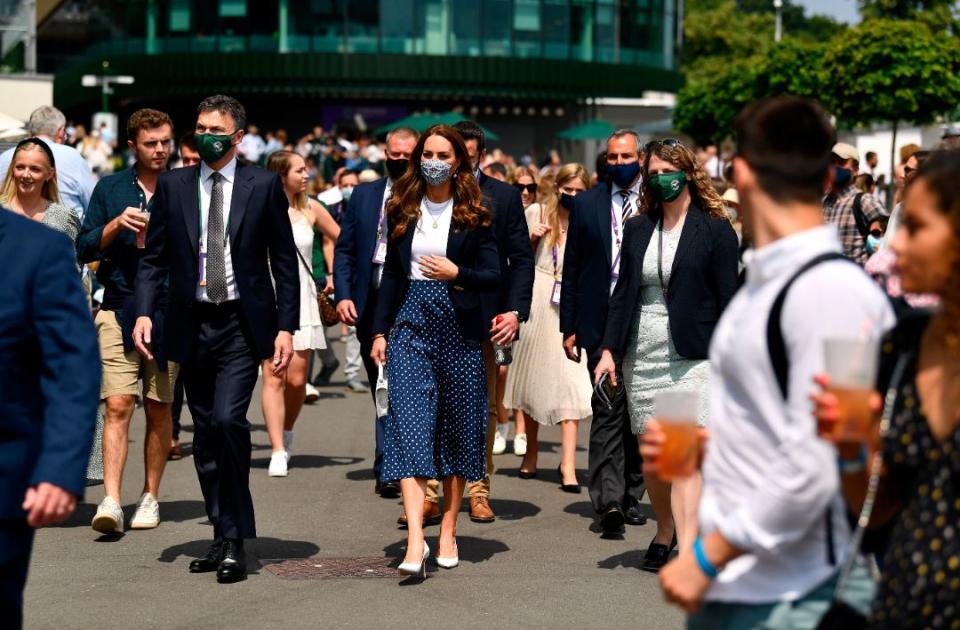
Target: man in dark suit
{"x":511,"y":305}
{"x":49,"y":368}
{"x":358,"y":264}
{"x":211,"y":232}
{"x":590,"y":271}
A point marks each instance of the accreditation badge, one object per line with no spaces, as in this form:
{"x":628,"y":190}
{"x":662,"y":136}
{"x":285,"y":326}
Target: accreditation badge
{"x":380,"y":254}
{"x":555,"y":294}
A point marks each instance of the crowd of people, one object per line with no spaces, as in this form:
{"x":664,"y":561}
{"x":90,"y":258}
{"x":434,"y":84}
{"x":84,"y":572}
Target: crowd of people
{"x":688,"y":305}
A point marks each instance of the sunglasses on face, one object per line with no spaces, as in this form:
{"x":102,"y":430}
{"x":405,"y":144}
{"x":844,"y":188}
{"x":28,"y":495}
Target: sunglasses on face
{"x":907,"y":170}
{"x":530,"y":188}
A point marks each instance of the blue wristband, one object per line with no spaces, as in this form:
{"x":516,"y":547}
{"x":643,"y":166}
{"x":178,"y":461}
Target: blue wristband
{"x":708,"y":569}
{"x":853,"y":466}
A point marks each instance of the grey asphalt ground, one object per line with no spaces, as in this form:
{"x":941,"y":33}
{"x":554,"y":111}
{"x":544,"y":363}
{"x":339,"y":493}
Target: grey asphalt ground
{"x":537,"y":566}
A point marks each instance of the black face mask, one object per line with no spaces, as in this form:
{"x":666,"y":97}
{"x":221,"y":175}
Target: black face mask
{"x":396,"y":168}
{"x":567,"y":201}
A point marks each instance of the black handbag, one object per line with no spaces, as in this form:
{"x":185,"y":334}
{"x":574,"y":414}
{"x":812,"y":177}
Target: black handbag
{"x":841,"y":615}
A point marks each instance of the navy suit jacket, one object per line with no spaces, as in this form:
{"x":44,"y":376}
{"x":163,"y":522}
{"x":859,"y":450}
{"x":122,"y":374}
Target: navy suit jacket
{"x":703,"y":279}
{"x":352,"y":260}
{"x":49,"y":364}
{"x":474,"y":252}
{"x":258,"y":227}
{"x":585,"y":292}
{"x":513,"y":244}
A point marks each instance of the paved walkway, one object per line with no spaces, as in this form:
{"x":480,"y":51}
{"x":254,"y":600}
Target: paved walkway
{"x":537,"y":566}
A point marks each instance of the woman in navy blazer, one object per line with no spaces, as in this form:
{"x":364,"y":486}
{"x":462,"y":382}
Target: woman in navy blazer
{"x":442,"y":267}
{"x":679,"y":271}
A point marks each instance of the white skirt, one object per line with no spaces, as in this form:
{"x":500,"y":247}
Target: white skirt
{"x":309,"y":337}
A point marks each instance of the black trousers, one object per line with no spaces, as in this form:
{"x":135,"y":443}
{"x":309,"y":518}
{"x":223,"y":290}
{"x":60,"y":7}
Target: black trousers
{"x":615,"y":474}
{"x":16,"y":541}
{"x":219,"y":377}
{"x":364,"y":334}
{"x":177,"y":408}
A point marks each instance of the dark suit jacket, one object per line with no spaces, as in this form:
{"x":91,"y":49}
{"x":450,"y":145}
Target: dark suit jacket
{"x":703,"y":279}
{"x":474,"y":252}
{"x":258,"y":226}
{"x":49,"y":364}
{"x":585,"y":292}
{"x":352,"y":266}
{"x":513,"y":243}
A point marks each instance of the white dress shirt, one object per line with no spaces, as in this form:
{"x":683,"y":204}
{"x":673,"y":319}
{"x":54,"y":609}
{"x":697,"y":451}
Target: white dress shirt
{"x":616,"y":200}
{"x":229,"y":173}
{"x":768,"y":480}
{"x":429,"y":240}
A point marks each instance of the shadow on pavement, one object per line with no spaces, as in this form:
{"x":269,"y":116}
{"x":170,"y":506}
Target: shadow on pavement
{"x":364,"y":474}
{"x":512,"y":510}
{"x":471,"y":549}
{"x":175,"y":511}
{"x":310,"y":461}
{"x":628,"y":560}
{"x":260,"y":551}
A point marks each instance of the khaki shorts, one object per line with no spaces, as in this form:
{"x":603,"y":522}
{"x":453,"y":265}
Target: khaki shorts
{"x":122,"y":370}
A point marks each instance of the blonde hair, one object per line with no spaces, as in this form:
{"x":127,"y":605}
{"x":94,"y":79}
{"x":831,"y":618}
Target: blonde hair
{"x":551,"y":196}
{"x":280,"y":162}
{"x":525,"y":171}
{"x":50,"y":191}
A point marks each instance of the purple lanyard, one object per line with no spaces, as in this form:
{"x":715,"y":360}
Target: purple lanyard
{"x":555,"y":259}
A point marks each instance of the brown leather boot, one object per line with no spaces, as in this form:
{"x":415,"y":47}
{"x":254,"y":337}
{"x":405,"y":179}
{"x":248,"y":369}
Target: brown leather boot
{"x":480,"y":511}
{"x":431,"y":514}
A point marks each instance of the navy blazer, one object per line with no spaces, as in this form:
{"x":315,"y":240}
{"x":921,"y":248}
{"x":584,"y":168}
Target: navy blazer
{"x":585,"y":292}
{"x":513,"y":243}
{"x":352,"y":260}
{"x":259,"y":227}
{"x":49,"y":364}
{"x":703,"y":279}
{"x":474,"y":252}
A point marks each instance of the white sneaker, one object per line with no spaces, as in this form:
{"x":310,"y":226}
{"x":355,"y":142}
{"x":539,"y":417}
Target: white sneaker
{"x":288,"y":444}
{"x":499,"y":444}
{"x":278,"y":464}
{"x":109,"y":517}
{"x":147,"y":515}
{"x":520,"y":444}
{"x":313,"y":394}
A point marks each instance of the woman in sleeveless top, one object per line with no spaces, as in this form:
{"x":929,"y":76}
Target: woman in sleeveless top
{"x":283,"y":396}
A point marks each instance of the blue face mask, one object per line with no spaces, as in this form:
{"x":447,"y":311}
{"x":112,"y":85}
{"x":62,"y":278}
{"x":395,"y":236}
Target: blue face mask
{"x":841,"y":176}
{"x":623,"y":174}
{"x":873,"y":243}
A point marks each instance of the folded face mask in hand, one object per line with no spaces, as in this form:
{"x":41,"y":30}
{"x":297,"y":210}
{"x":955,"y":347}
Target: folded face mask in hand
{"x":380,"y":394}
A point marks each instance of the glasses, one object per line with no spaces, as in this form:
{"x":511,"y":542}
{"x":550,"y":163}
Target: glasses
{"x":530,"y":188}
{"x":653,"y":145}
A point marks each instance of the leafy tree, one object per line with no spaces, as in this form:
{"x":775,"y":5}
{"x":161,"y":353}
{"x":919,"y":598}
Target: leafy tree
{"x":900,"y":9}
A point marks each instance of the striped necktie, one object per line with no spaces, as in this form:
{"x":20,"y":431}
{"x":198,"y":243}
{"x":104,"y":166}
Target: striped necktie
{"x":627,"y":206}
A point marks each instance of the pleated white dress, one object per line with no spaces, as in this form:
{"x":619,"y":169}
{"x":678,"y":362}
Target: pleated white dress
{"x":310,"y":336}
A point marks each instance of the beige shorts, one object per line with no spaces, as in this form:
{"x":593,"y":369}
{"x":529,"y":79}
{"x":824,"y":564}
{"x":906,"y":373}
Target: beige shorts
{"x":122,"y":370}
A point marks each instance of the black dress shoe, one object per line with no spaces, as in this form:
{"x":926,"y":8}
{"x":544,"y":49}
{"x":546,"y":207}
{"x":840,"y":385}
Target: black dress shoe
{"x":390,"y":489}
{"x":657,"y":555}
{"x":572,"y":488}
{"x":633,"y":514}
{"x":211,"y":561}
{"x":233,"y":567}
{"x":611,"y":522}
{"x":527,"y":474}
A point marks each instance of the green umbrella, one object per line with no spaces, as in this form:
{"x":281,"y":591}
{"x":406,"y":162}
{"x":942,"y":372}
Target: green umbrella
{"x":596,"y":129}
{"x":422,"y":122}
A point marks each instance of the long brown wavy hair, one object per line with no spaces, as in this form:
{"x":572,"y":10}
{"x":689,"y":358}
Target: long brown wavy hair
{"x":403,"y":209}
{"x":705,"y":196}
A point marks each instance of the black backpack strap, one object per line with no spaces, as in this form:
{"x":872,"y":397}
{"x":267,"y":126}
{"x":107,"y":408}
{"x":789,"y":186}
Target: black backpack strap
{"x":859,"y":217}
{"x":777,"y":348}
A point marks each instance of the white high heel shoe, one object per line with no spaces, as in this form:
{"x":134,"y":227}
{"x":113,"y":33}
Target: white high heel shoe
{"x":419,"y":570}
{"x":450,"y":563}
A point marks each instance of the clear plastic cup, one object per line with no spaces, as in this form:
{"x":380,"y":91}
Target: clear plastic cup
{"x":142,"y":232}
{"x":851,"y":365}
{"x":677,"y":413}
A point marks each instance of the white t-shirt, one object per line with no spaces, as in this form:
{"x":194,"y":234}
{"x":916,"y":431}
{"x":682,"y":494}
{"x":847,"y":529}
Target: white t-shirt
{"x":432,"y":232}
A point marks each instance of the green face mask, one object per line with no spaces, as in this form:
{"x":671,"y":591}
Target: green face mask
{"x":212,"y":147}
{"x":668,"y":186}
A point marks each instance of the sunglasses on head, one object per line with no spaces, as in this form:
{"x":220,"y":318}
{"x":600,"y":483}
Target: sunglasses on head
{"x":530,"y":188}
{"x":653,"y":145}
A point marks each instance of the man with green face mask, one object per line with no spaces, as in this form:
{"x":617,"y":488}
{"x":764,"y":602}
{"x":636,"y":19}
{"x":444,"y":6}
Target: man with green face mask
{"x":212,"y":230}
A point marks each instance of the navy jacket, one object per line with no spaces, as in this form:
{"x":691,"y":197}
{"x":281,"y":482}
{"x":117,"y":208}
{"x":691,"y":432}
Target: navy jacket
{"x":258,"y":226}
{"x":352,"y":260}
{"x":513,"y":244}
{"x":474,"y":252}
{"x":49,"y":364}
{"x":585,"y":292}
{"x":703,"y":279}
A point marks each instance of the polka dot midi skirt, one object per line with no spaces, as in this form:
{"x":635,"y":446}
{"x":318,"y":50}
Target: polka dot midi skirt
{"x":437,"y":422}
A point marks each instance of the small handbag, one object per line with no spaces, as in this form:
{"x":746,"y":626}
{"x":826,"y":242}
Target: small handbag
{"x":328,"y":312}
{"x":841,"y":615}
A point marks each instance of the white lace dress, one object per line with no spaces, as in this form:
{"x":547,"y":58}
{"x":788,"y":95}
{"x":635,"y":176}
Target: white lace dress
{"x":310,"y":336}
{"x":651,"y":362}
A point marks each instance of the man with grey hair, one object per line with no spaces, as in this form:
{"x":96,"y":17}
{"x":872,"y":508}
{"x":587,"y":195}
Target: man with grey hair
{"x":75,"y":180}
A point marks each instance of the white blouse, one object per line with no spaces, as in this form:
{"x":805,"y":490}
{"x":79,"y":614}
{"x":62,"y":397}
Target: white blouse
{"x":430,"y":237}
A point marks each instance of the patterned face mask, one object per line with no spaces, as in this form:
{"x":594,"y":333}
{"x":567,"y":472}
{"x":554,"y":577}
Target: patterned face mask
{"x":435,"y":172}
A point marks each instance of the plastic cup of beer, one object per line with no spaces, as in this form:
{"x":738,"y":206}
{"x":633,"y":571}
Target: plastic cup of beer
{"x":851,"y":365}
{"x":142,"y":232}
{"x":677,"y":413}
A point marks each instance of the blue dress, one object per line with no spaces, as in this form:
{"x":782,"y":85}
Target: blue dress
{"x":437,"y":422}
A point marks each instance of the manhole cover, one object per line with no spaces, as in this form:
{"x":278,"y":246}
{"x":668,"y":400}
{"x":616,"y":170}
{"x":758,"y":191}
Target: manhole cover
{"x":325,"y":568}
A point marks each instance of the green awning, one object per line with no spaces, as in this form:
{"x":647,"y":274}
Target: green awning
{"x":596,"y":129}
{"x":422,"y":122}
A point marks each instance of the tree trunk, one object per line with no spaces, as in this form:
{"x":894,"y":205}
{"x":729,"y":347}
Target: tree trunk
{"x":892,"y":186}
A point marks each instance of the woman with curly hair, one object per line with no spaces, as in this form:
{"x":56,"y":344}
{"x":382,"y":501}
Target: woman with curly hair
{"x":678,"y":272}
{"x":441,"y":266}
